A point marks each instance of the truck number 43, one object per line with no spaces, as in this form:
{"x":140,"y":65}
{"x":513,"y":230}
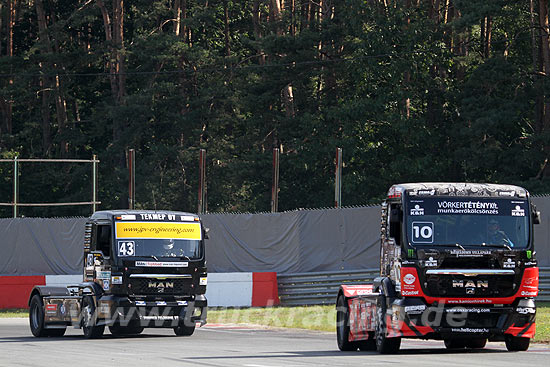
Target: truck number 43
{"x":126,"y":248}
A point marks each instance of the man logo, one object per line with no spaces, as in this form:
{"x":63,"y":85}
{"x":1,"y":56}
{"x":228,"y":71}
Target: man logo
{"x":470,"y":284}
{"x":161,"y":285}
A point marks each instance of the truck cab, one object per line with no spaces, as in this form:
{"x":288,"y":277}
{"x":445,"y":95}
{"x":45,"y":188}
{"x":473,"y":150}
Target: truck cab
{"x":140,"y":269}
{"x":457,"y":263}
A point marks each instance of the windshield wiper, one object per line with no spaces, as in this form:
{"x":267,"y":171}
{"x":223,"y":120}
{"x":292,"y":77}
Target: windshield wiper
{"x":496,"y":245}
{"x":153,"y":256}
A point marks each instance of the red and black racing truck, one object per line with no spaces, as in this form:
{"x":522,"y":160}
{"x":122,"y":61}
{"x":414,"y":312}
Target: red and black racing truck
{"x":141,"y":269}
{"x":457,"y":263}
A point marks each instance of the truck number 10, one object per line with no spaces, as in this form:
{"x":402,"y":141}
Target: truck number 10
{"x":422,"y":232}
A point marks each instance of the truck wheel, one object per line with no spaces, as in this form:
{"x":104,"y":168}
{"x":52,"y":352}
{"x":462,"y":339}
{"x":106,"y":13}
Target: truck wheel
{"x":342,"y":326}
{"x":476,"y":343}
{"x":89,"y":320}
{"x":36,"y":317}
{"x":455,"y":343}
{"x":384,"y":344}
{"x":516,"y":343}
{"x":183,"y":330}
{"x":36,"y":320}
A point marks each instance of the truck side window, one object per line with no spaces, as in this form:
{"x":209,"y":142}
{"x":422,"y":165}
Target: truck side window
{"x":396,"y":216}
{"x":104,"y":239}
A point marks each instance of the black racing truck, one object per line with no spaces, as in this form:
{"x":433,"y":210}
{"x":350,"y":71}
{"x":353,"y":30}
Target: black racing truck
{"x":457,"y":263}
{"x":141,"y":269}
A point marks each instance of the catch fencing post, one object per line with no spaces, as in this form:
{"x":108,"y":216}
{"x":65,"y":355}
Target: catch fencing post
{"x":275,"y":182}
{"x":202,"y":181}
{"x":15,"y":183}
{"x":338,"y":180}
{"x":132,"y":178}
{"x":94,"y":183}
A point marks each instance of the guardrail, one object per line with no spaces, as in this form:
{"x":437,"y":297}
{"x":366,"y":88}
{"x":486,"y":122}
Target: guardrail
{"x":321,"y":288}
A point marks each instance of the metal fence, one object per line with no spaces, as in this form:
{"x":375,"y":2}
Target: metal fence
{"x":321,"y":288}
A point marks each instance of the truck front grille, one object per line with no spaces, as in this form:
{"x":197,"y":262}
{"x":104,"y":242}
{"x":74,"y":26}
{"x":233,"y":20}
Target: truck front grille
{"x":143,"y":286}
{"x":463,"y":286}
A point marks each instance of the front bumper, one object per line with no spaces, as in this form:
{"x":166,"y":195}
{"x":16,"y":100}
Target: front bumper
{"x":152,"y":313}
{"x":411,"y":317}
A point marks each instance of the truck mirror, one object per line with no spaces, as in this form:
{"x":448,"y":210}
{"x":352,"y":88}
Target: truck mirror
{"x":206,"y":231}
{"x":396,"y":215}
{"x":536,"y":217}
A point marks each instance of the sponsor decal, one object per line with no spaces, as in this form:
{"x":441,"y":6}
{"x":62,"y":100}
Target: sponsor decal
{"x":415,"y":310}
{"x":531,"y":280}
{"x":128,"y":217}
{"x":467,"y":310}
{"x":182,"y":303}
{"x":518,"y":212}
{"x":507,"y":193}
{"x":469,"y":330}
{"x":160,"y":318}
{"x":162,"y":264}
{"x":461,"y":301}
{"x":51,"y":309}
{"x":417,"y":210}
{"x":528,"y":294}
{"x":161,"y":230}
{"x":62,"y":309}
{"x":103,"y":275}
{"x":430,"y":262}
{"x":409,"y":293}
{"x":90,"y":261}
{"x":470,"y":253}
{"x":203,"y":281}
{"x":509,"y":264}
{"x":362,"y":292}
{"x":106,"y":284}
{"x":525,"y":310}
{"x":116,"y":279}
{"x":161,"y":303}
{"x":426,"y":192}
{"x":467,"y":207}
{"x":140,"y":303}
{"x":104,"y":308}
{"x":409,"y":279}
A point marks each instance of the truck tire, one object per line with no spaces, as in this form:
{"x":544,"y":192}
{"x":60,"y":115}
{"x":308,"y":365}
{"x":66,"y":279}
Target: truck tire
{"x":476,"y":343}
{"x":131,"y":329}
{"x":183,"y":330}
{"x":89,"y":320}
{"x":342,"y":326}
{"x":36,"y":320}
{"x":384,"y":345}
{"x":516,"y":343}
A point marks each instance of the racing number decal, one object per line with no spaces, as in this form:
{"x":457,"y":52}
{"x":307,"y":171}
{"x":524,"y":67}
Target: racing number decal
{"x":422,"y":232}
{"x":126,"y":248}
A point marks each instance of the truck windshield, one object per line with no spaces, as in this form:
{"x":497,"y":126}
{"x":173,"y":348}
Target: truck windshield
{"x":158,"y":239}
{"x":467,"y":221}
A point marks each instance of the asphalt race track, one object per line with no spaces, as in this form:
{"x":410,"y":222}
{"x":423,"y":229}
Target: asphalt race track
{"x":221,"y":345}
